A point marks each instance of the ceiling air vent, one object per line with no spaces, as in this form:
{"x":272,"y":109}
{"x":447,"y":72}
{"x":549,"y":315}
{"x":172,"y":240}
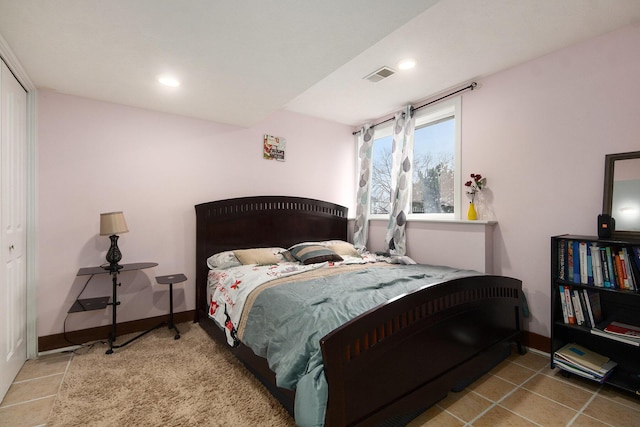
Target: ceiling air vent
{"x":380,"y":74}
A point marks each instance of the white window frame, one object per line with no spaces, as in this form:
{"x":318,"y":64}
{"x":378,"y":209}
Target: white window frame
{"x":426,"y":115}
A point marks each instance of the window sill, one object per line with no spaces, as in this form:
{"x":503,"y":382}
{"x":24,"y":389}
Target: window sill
{"x":444,"y":220}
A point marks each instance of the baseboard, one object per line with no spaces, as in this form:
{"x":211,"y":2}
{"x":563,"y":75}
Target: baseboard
{"x":539,"y":342}
{"x":57,"y":341}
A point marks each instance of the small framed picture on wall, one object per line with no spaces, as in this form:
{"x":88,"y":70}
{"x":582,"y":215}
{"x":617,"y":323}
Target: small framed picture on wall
{"x":274,"y":148}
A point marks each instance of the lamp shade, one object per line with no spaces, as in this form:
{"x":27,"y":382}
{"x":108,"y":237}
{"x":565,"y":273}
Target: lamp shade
{"x":112,"y":223}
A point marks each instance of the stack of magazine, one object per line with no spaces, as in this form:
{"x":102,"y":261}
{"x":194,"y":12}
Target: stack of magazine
{"x":581,"y":361}
{"x":619,"y":331}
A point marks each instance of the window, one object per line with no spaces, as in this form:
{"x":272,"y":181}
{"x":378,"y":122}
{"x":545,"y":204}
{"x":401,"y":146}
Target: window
{"x":435,"y":191}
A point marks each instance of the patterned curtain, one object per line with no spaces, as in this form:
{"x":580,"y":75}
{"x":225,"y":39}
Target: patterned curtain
{"x":364,"y":140}
{"x":401,"y":176}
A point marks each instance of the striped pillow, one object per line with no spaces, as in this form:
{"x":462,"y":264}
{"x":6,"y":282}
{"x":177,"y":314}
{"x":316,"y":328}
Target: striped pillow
{"x":312,"y":254}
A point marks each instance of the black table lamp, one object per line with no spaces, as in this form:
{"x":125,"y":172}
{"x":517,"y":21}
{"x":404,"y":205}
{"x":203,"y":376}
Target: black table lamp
{"x":112,"y":224}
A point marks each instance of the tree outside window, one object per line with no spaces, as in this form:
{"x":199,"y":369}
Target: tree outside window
{"x":433,"y":169}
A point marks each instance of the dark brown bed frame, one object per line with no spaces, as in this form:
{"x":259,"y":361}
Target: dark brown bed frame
{"x":389,"y":364}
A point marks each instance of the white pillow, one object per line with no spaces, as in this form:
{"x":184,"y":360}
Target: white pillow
{"x":260,"y":256}
{"x":343,"y":248}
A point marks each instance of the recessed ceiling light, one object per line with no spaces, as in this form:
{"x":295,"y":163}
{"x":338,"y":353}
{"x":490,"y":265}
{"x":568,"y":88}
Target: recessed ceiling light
{"x":407,"y":64}
{"x":168,"y":81}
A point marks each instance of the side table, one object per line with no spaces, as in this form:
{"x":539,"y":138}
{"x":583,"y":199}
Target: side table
{"x":101,"y":302}
{"x":170,"y":280}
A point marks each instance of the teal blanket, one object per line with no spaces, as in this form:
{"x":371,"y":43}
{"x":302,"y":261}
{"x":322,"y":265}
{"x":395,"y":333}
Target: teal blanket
{"x":286,"y":322}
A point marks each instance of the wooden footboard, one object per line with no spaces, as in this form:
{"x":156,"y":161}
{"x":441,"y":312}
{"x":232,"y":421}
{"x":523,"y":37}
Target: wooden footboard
{"x":407,"y":354}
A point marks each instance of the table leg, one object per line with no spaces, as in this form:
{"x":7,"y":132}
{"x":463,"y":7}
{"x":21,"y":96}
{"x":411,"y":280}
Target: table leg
{"x":172,"y":325}
{"x":114,"y":304}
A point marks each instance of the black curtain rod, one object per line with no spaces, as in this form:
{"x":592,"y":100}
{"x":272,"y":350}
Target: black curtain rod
{"x":472,"y":86}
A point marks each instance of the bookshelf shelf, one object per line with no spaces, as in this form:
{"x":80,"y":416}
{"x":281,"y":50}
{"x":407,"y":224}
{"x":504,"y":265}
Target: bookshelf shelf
{"x":616,"y":299}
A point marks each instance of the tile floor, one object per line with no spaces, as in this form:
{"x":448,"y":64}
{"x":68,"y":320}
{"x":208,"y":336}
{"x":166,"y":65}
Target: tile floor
{"x":30,"y":398}
{"x":521,"y":391}
{"x":524,"y":391}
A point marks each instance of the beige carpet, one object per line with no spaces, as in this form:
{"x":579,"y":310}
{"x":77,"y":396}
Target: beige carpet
{"x":159,"y":381}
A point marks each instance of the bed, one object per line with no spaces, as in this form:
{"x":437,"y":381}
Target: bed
{"x":389,"y":363}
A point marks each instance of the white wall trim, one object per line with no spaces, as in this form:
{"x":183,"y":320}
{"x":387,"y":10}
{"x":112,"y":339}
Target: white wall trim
{"x":411,"y":218}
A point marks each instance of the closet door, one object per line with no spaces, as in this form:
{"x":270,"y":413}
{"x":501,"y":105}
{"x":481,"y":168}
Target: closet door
{"x":13,"y":241}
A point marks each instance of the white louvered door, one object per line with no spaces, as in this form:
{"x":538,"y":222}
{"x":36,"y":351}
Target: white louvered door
{"x":13,"y":239}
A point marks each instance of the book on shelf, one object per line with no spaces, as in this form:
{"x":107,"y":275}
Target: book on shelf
{"x":590,"y":273}
{"x":614,"y":266}
{"x":562,"y":251}
{"x":586,"y":310}
{"x":597,"y":265}
{"x":587,"y":303}
{"x":570,"y":261}
{"x":578,"y":355}
{"x":563,"y":303}
{"x":627,"y":267}
{"x":606,"y":277}
{"x":630,"y":269}
{"x":577,"y":307}
{"x":623,"y":332}
{"x":576,"y":261}
{"x":578,"y":358}
{"x":571,"y":317}
{"x":584,"y":276}
{"x":624,"y":277}
{"x":625,"y":274}
{"x":612,"y":272}
{"x":617,"y":265}
{"x":584,"y":373}
{"x":636,"y":256}
{"x":615,"y":337}
{"x":582,"y":251}
{"x":580,"y":306}
{"x":596,"y":307}
{"x":625,"y":329}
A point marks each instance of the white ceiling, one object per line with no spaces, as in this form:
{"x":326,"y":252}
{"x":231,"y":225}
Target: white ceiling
{"x":241,"y":61}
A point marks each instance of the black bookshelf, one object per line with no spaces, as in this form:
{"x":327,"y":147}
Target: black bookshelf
{"x":617,"y":303}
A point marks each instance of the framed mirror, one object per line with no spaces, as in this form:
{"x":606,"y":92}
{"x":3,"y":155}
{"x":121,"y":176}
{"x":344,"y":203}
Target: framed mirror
{"x":622,"y":192}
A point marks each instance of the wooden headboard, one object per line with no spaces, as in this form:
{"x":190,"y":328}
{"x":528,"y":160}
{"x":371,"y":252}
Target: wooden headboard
{"x":261,"y":221}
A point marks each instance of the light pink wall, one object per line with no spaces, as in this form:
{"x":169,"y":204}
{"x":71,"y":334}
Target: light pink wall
{"x":98,"y":157}
{"x":466,"y":245}
{"x":539,"y":132}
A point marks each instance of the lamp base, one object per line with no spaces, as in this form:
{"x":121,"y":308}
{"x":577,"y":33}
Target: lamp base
{"x":113,"y":267}
{"x":113,"y":254}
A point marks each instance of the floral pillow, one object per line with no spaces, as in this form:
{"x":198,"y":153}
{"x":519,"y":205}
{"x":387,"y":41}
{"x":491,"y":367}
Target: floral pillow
{"x":224,"y":259}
